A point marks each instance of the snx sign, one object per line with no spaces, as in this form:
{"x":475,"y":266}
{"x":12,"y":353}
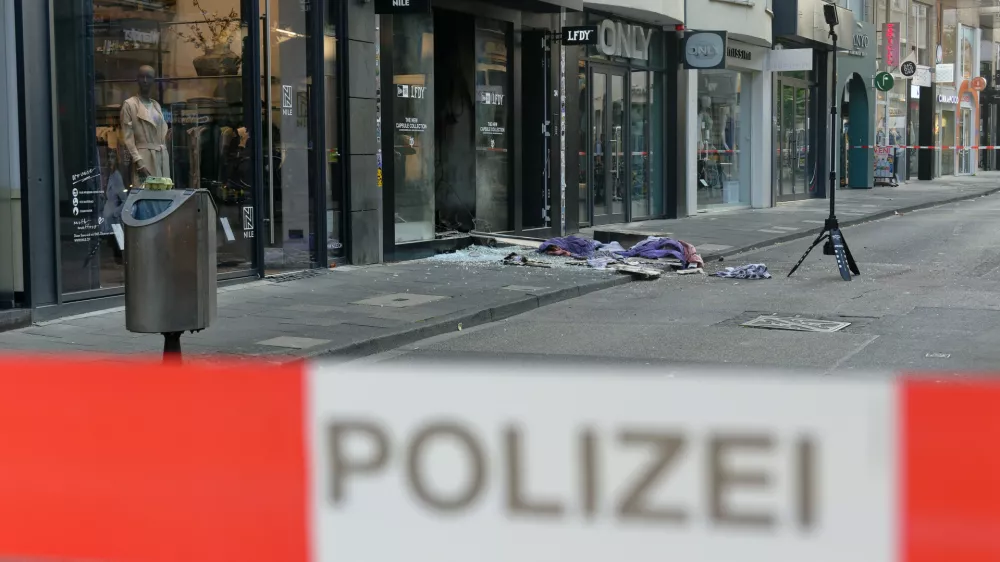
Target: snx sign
{"x":705,"y":49}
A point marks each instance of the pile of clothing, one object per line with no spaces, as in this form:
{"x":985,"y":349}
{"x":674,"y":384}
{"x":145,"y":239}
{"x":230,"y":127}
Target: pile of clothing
{"x":599,"y":255}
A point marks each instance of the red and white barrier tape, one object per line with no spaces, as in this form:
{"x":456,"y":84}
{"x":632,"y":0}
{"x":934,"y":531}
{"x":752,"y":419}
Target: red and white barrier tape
{"x":124,"y":462}
{"x":915,"y":147}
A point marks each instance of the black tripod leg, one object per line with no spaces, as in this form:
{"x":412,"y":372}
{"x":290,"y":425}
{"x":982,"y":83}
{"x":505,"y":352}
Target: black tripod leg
{"x":850,"y":258}
{"x":815,"y":243}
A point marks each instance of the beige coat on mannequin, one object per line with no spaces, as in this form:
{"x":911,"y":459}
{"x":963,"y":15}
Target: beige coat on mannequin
{"x":145,"y":134}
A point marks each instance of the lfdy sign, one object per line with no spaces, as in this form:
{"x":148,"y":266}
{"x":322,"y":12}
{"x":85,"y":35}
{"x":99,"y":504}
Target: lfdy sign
{"x":579,"y":35}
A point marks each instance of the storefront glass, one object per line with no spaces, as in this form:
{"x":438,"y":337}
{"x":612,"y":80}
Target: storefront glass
{"x":334,"y":160}
{"x":891,"y":106}
{"x":413,"y":130}
{"x":723,"y":122}
{"x":621,"y":124}
{"x":289,"y":179}
{"x":145,"y":93}
{"x":493,"y":89}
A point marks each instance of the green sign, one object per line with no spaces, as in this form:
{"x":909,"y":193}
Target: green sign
{"x":884,"y":81}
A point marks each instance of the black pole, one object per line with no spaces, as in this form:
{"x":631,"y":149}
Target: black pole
{"x":833,"y":129}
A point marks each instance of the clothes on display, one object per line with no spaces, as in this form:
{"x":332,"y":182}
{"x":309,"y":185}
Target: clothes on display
{"x":144,"y":131}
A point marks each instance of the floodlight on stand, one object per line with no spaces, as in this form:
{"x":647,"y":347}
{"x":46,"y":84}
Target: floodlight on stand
{"x":830,"y":13}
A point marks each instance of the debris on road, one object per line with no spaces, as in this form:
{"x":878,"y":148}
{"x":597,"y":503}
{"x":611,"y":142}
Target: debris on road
{"x":750,"y":271}
{"x":517,"y":259}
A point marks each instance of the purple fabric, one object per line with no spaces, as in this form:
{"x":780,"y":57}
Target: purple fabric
{"x":655,"y":248}
{"x":575,"y":245}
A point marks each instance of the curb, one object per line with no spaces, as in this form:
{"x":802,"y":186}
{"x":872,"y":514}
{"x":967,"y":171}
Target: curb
{"x":449,"y":323}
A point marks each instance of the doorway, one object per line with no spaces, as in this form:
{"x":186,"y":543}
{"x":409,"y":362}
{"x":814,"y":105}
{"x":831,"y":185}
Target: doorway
{"x":854,"y":163}
{"x":793,"y":169}
{"x":965,"y":141}
{"x":294,"y":152}
{"x":607,"y":166}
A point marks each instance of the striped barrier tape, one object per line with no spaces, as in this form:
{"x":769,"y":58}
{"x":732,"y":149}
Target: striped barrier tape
{"x":121,"y":461}
{"x":915,"y":147}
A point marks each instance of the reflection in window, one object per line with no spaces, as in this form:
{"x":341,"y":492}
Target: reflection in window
{"x":413,"y":130}
{"x":723,"y":138}
{"x":146,"y":92}
{"x":492,"y":120}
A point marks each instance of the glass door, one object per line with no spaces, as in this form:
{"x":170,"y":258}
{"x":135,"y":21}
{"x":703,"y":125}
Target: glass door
{"x":965,"y":141}
{"x":289,"y":159}
{"x":793,"y":172}
{"x":608,"y":145}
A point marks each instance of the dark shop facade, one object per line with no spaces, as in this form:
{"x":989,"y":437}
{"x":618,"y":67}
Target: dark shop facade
{"x":327,"y":131}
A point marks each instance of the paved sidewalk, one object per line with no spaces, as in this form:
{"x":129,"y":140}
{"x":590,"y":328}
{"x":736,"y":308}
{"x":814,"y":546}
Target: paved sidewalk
{"x":727,"y":233}
{"x":354,"y":311}
{"x":347,"y":311}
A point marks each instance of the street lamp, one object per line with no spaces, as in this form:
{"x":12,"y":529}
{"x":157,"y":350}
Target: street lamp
{"x":835,"y":243}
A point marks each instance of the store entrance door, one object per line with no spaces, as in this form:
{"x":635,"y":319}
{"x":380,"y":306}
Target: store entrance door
{"x":965,"y":142}
{"x":294,"y":49}
{"x":608,"y":166}
{"x":792,"y":166}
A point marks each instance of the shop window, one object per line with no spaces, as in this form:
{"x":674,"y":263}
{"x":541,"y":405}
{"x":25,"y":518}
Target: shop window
{"x":334,"y":159}
{"x":724,"y":134}
{"x":493,"y":106}
{"x":413,"y":130}
{"x":150,"y":91}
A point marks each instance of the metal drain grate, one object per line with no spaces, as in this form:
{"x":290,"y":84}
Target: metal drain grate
{"x":295,"y":275}
{"x":796,"y":324}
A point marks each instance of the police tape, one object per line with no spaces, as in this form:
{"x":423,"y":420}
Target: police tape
{"x":127,"y":462}
{"x":917,"y":147}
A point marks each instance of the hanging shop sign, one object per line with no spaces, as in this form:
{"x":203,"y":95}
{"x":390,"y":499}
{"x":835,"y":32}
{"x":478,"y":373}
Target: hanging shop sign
{"x":884,"y":81}
{"x":396,"y":7}
{"x":908,"y":68}
{"x":979,"y":83}
{"x":922,"y":77}
{"x":944,"y":74}
{"x":617,"y":39}
{"x":705,"y":50}
{"x":890,"y":35}
{"x":579,"y":35}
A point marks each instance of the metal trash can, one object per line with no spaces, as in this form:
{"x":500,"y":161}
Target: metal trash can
{"x":170,"y":260}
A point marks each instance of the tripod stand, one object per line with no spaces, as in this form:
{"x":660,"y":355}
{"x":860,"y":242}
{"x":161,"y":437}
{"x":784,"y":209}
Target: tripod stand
{"x":835,"y":243}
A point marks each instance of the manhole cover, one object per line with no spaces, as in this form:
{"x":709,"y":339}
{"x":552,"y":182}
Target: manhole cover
{"x":796,"y":324}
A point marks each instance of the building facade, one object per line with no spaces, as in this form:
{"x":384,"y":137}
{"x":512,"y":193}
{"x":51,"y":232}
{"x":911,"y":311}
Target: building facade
{"x":331,"y":131}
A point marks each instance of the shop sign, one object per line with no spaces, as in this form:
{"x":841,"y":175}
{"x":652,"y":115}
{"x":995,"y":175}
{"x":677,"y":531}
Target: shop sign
{"x":579,"y":35}
{"x":739,"y":54}
{"x":286,"y":101}
{"x":890,"y":35}
{"x":705,"y":50}
{"x":942,"y":98}
{"x":396,"y":7}
{"x":944,"y":74}
{"x":790,"y":60}
{"x":145,"y":37}
{"x":922,"y":77}
{"x":859,"y":45}
{"x":617,"y":39}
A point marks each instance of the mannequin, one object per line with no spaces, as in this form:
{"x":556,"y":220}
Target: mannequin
{"x":145,"y":131}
